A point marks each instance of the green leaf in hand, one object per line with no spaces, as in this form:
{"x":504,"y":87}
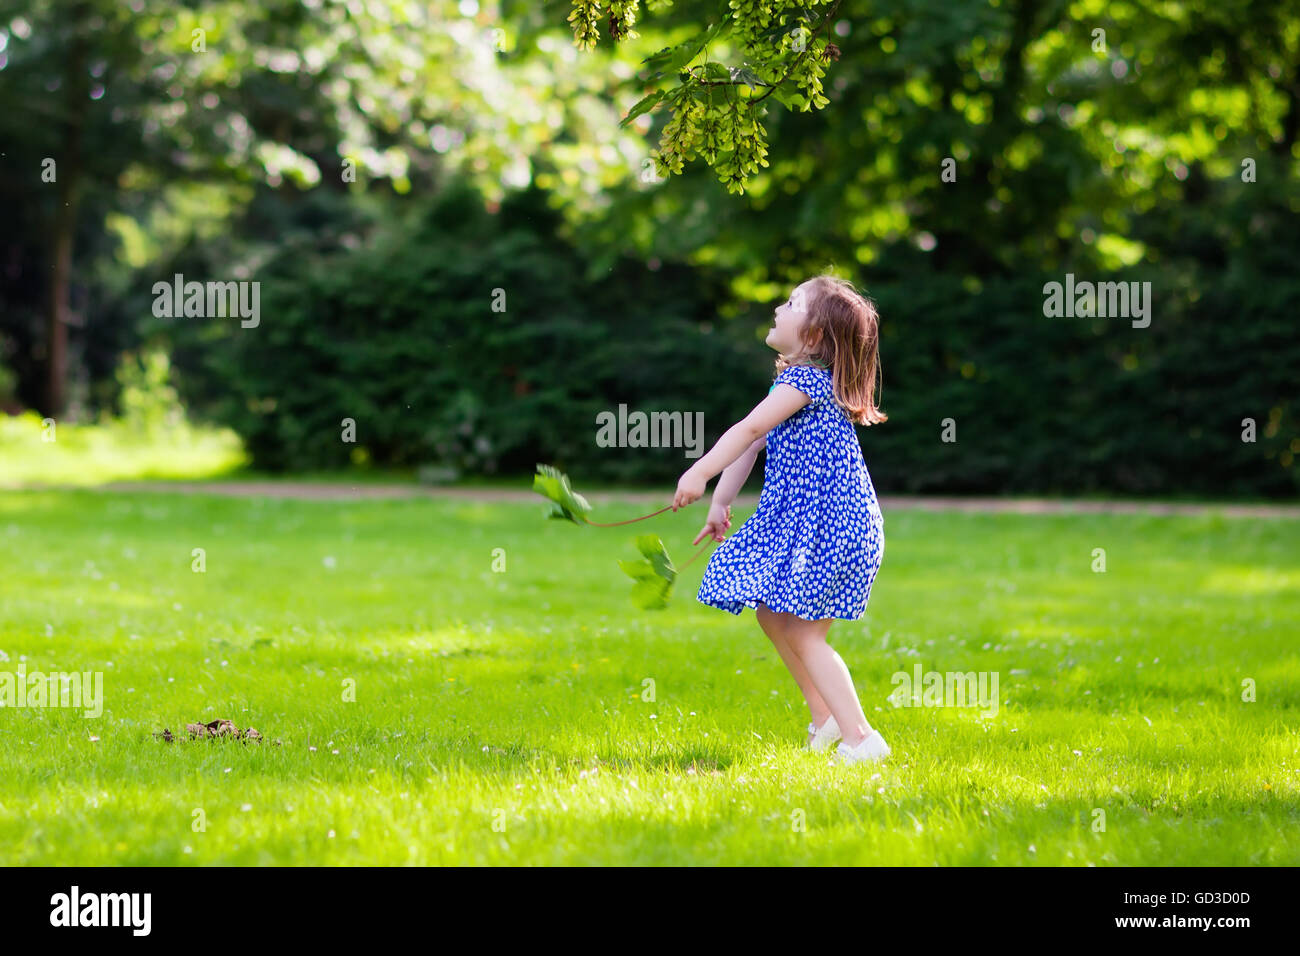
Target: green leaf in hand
{"x":654,"y":574}
{"x":567,"y":504}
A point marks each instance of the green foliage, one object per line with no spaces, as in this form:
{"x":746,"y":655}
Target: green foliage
{"x":169,"y":123}
{"x":8,"y":384}
{"x":553,"y":484}
{"x":111,"y":450}
{"x":1094,"y":405}
{"x":399,"y":334}
{"x":149,"y":402}
{"x":654,"y":573}
{"x":712,"y":118}
{"x":1116,"y":162}
{"x":457,"y":337}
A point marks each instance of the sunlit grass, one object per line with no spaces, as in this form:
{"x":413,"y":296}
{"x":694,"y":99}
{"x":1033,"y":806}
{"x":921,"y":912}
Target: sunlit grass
{"x":34,"y":453}
{"x":499,"y":715}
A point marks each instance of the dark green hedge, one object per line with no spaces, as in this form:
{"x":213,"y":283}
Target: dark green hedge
{"x":400,"y":336}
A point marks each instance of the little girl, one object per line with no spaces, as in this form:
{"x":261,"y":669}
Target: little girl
{"x":811,"y":551}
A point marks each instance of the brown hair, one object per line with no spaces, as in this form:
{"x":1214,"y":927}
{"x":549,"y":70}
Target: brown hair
{"x":843,"y":334}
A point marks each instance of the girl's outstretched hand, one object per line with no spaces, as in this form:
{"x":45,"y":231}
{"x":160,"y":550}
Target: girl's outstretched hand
{"x":718,"y":523}
{"x":689,"y":488}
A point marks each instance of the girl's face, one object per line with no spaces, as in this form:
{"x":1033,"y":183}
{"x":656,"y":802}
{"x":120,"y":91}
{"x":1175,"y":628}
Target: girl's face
{"x":791,"y":316}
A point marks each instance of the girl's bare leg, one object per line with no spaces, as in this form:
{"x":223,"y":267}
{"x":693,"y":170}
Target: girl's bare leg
{"x":830,"y":675}
{"x":773,"y":624}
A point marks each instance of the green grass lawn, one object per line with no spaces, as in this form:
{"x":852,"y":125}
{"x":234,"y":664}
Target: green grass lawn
{"x":499,"y":716}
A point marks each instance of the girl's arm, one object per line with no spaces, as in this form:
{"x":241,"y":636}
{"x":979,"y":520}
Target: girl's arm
{"x":784,"y":401}
{"x":734,"y":475}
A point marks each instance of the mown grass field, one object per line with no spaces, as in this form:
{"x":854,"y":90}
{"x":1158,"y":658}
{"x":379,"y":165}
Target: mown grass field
{"x":499,"y":714}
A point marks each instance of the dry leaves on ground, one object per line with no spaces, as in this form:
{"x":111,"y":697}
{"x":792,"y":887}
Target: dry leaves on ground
{"x":216,"y":728}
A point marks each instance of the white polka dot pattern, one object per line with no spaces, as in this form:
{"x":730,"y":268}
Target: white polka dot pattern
{"x":816,"y":541}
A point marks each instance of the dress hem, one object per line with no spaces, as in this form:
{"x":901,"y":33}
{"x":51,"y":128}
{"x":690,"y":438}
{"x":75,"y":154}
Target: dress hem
{"x":735,"y":607}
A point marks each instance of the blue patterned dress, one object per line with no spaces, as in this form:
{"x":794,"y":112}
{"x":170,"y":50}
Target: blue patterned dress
{"x":815,"y":543}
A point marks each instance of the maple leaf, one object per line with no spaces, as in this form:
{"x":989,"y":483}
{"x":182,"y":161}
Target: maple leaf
{"x":653,"y":574}
{"x":566,"y":504}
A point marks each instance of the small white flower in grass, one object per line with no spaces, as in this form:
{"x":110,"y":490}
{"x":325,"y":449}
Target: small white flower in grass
{"x":692,"y":713}
{"x":189,"y":849}
{"x":3,"y":656}
{"x":177,"y":607}
{"x":1032,"y":848}
{"x":329,"y":562}
{"x":94,"y":739}
{"x":654,"y":716}
{"x":244,"y":808}
{"x":312,"y":749}
{"x":334,"y":751}
{"x":330,"y":834}
{"x":1077,"y":753}
{"x":227,"y":770}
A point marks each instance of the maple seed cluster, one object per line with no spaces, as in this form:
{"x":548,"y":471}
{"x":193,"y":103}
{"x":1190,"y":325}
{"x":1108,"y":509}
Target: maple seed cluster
{"x":712,"y":116}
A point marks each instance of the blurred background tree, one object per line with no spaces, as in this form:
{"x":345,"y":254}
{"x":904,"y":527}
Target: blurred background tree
{"x":381,"y":167}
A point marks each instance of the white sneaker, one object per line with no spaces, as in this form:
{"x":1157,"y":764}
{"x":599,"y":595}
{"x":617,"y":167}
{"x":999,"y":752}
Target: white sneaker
{"x":873,"y":748}
{"x":823,"y":738}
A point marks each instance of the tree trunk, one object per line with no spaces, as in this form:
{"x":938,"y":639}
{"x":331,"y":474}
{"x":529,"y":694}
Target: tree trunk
{"x":76,"y":86}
